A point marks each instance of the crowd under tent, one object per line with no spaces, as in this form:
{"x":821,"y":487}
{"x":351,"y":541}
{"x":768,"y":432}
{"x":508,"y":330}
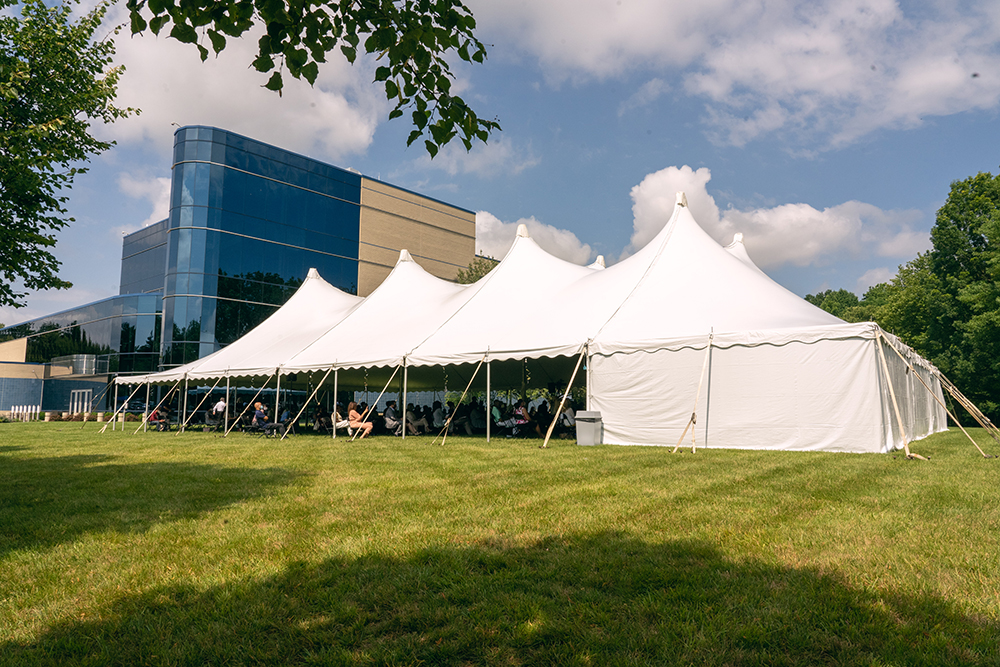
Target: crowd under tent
{"x":684,"y":339}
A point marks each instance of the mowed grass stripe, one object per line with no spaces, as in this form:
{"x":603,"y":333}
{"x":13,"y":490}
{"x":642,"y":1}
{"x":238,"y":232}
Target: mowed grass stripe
{"x":194,"y":549}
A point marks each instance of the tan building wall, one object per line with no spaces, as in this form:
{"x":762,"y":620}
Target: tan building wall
{"x":14,"y":350}
{"x":441,"y":238}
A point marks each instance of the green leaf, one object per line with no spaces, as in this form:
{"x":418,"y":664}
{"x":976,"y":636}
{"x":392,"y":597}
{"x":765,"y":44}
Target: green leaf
{"x":431,"y":148}
{"x":274,"y":83}
{"x":383,"y":73}
{"x":157,"y":22}
{"x":218,"y":41}
{"x":182,"y":32}
{"x":310,"y":72}
{"x":391,"y":89}
{"x":395,"y":113}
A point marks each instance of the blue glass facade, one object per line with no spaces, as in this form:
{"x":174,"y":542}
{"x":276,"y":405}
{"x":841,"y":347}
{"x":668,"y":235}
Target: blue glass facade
{"x":247,"y":221}
{"x":123,"y":332}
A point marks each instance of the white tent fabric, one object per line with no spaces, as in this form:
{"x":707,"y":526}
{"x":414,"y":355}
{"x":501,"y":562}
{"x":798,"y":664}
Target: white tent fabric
{"x":316,"y":307}
{"x":682,"y":326}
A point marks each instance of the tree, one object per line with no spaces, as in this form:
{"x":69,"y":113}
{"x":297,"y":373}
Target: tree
{"x":478,"y":267}
{"x":412,"y":40}
{"x":946,"y":302}
{"x":836,"y":302}
{"x":54,"y":80}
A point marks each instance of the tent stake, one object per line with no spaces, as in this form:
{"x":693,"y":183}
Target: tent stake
{"x":447,"y":423}
{"x":304,"y":405}
{"x":562,"y":401}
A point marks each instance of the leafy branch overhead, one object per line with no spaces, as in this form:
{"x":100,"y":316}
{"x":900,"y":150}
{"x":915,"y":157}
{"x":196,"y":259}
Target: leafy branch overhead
{"x":55,"y":79}
{"x":411,"y":40}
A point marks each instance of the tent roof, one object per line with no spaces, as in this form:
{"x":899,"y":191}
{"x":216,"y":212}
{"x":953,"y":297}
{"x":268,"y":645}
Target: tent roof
{"x":679,"y":287}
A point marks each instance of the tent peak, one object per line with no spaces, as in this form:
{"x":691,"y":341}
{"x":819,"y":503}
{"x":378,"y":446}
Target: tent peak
{"x":404,"y":256}
{"x":599,"y":262}
{"x":522,"y":231}
{"x":738,"y":237}
{"x":682,"y":199}
{"x":313,"y":273}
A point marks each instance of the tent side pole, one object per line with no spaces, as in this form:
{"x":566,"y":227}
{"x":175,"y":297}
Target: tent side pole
{"x":304,"y":405}
{"x":145,"y":413}
{"x":184,"y":409}
{"x":489,"y":401}
{"x":336,"y":374}
{"x":225,"y":413}
{"x":562,"y":401}
{"x":892,"y":394}
{"x":913,"y":372}
{"x":694,"y":413}
{"x":203,"y":399}
{"x":237,"y":420}
{"x":114,"y":416}
{"x":405,"y":378}
{"x":447,"y":424}
{"x":277,"y":396}
{"x":371,"y":408}
{"x":146,"y":421}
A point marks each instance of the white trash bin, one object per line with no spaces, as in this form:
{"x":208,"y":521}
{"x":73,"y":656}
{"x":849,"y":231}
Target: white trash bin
{"x":589,"y":428}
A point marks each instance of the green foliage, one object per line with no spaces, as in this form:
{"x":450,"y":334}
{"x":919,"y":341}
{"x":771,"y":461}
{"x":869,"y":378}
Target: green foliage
{"x":412,"y":40}
{"x":478,"y":267}
{"x":840,"y":302}
{"x":54,"y":80}
{"x":946,"y":302}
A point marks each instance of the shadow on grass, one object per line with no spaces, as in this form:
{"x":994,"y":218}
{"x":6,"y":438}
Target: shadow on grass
{"x":601,"y":599}
{"x":48,"y":501}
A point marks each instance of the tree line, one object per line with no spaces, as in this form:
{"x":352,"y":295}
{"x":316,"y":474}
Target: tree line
{"x":945,"y":303}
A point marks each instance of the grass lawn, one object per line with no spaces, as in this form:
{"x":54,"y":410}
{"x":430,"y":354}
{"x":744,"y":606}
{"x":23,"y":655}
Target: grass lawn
{"x":194,"y":549}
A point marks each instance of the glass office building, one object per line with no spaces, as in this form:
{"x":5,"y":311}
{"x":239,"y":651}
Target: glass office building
{"x":247,"y":221}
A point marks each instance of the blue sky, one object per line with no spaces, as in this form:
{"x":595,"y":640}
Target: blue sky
{"x":826,"y":132}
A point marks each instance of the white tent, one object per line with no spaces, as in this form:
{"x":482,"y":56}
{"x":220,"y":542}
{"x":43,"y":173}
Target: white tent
{"x":683,"y":326}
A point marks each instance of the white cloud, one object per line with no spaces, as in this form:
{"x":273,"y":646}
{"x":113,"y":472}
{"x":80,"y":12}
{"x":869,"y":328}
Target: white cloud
{"x":788,"y":234}
{"x":155,"y":190}
{"x":823,"y":72}
{"x":499,"y":156}
{"x":873,"y":277}
{"x":495,"y":237}
{"x":167,"y":80}
{"x":648,"y":93}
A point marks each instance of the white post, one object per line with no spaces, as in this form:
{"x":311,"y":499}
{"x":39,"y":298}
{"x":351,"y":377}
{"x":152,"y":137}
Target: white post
{"x":225,"y":413}
{"x":115,"y":412}
{"x":489,"y":402}
{"x":404,"y":397}
{"x":184,"y":410}
{"x":334,"y":416}
{"x":277,"y":396}
{"x":145,"y":412}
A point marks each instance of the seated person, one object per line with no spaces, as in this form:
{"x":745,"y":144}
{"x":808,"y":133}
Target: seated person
{"x":393,"y":423}
{"x":413,"y":424}
{"x":159,"y":419}
{"x":354,"y":419}
{"x":476,"y":416}
{"x":437,"y":416}
{"x":460,"y":417}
